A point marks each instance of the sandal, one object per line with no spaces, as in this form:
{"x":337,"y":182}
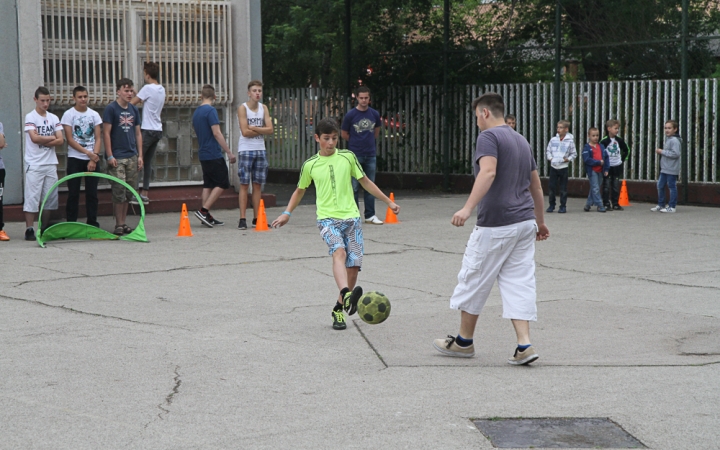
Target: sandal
{"x":126,"y":229}
{"x":118,"y":230}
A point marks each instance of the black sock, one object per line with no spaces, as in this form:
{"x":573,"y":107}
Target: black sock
{"x":338,"y":307}
{"x":463,"y":342}
{"x":523,"y":347}
{"x":344,"y":291}
{"x":204,"y":211}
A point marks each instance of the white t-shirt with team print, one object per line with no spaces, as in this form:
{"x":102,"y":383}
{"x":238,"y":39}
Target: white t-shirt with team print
{"x":82,"y":125}
{"x":35,"y":154}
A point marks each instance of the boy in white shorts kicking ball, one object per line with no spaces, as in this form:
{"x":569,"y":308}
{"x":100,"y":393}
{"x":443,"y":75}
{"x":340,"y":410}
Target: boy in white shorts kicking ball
{"x":509,"y":202}
{"x":338,"y":217}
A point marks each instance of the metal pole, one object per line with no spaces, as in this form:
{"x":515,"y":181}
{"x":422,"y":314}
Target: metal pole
{"x":348,"y":50}
{"x":558,"y":63}
{"x":684,"y":97}
{"x":446,"y":98}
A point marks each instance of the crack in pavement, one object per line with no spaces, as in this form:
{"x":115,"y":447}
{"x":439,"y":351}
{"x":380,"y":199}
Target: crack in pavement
{"x":208,"y":266}
{"x":77,"y":311}
{"x":629,"y":277}
{"x":383,"y":284}
{"x":370,"y":344}
{"x":169,"y":398}
{"x":540,"y":365}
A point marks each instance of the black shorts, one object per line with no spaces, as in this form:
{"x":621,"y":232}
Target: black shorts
{"x":215,"y":173}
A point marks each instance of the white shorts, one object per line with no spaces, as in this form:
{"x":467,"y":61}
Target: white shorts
{"x":506,"y":254}
{"x":38,"y":181}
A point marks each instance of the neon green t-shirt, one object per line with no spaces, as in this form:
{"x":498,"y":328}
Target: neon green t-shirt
{"x":333,"y":183}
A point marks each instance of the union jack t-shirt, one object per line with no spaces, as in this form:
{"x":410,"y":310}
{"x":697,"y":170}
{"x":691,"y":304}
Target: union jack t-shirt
{"x":122,"y":133}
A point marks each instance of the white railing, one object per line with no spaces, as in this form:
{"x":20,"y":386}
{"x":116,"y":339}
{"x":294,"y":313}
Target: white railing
{"x":96,"y":42}
{"x":411,"y":139}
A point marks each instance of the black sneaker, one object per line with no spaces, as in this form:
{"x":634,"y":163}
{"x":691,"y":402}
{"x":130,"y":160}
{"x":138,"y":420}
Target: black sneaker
{"x":254,"y":222}
{"x":586,"y":208}
{"x":214,"y":221}
{"x":617,"y":208}
{"x":608,"y":207}
{"x":242,"y":224}
{"x":30,"y":234}
{"x":350,"y":300}
{"x":204,"y":218}
{"x":550,"y":209}
{"x":338,"y":320}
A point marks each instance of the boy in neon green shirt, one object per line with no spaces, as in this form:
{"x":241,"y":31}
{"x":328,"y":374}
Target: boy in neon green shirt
{"x":338,"y":217}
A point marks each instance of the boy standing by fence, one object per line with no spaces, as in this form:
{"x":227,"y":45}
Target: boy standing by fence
{"x":669,"y":168}
{"x":123,"y":149}
{"x":560,"y":151}
{"x":338,"y":217}
{"x":255,"y":122}
{"x":152,"y":95}
{"x":360,"y":129}
{"x":82,"y":131}
{"x":211,"y":142}
{"x":43,"y":133}
{"x":597,"y":163}
{"x":618,"y":152}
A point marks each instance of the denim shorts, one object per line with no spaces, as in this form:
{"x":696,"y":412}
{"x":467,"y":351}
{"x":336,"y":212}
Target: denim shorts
{"x":346,"y":234}
{"x":252,"y":164}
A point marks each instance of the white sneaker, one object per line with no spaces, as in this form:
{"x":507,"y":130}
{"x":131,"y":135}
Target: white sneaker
{"x":656,"y":208}
{"x":668,"y":209}
{"x":374,"y":220}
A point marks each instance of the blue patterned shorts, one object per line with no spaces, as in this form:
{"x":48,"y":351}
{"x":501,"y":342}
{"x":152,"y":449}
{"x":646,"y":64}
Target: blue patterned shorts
{"x":252,"y":164}
{"x":346,"y":234}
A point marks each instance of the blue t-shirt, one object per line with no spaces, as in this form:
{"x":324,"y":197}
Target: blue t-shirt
{"x":361,"y":126}
{"x":204,"y":117}
{"x":122,"y":134}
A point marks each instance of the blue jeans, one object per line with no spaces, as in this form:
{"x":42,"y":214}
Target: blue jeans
{"x":596,"y":179}
{"x":671,"y":182}
{"x":369,"y":166}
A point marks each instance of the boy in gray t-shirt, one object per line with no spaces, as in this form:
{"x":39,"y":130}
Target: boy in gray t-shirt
{"x":509,"y":200}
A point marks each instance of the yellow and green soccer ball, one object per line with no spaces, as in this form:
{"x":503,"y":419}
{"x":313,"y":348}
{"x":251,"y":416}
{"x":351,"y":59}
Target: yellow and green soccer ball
{"x":373,"y":307}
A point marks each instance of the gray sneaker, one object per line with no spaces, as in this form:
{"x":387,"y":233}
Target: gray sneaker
{"x":657,"y":208}
{"x":525,"y":357}
{"x":450,"y":348}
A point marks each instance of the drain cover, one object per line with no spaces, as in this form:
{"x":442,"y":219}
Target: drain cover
{"x":556,"y":433}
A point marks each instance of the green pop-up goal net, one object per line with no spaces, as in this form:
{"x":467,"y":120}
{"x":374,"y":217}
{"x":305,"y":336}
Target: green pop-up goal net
{"x":78,"y":230}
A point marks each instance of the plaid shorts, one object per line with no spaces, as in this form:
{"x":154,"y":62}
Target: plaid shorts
{"x":252,"y":163}
{"x":343,"y":233}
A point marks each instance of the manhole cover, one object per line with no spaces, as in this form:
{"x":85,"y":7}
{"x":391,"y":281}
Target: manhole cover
{"x":556,"y":433}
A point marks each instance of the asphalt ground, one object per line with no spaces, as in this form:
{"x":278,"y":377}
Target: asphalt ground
{"x":224,"y":339}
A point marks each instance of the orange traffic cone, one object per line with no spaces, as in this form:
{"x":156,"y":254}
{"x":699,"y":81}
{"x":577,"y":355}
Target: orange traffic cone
{"x":624,"y":200}
{"x":391,"y":217}
{"x":261,"y":224}
{"x":184,"y":229}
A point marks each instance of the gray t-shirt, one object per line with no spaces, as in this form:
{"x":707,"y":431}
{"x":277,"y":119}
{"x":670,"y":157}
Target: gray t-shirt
{"x":2,"y":164}
{"x":508,"y":200}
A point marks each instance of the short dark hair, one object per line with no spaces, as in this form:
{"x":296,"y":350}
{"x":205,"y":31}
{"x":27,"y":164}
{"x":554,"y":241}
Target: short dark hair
{"x":79,"y":89}
{"x":510,"y":117}
{"x":674,"y":123}
{"x":122,"y":82}
{"x":152,"y":69}
{"x":327,"y":126}
{"x":254,"y":83}
{"x":208,"y":91}
{"x":41,"y":90}
{"x":362,"y":89}
{"x":492,"y":101}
